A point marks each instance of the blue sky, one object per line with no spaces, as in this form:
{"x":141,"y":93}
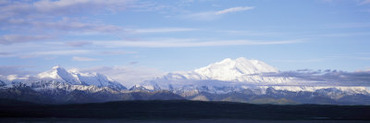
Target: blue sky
{"x":150,"y":37}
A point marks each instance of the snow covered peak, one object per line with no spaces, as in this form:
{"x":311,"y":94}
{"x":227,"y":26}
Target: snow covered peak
{"x":75,"y":77}
{"x":53,"y":73}
{"x":57,"y":67}
{"x":231,"y":70}
{"x":227,"y":60}
{"x":239,"y":69}
{"x":59,"y":73}
{"x":228,"y":69}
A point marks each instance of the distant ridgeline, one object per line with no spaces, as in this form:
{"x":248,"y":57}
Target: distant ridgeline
{"x":239,"y":80}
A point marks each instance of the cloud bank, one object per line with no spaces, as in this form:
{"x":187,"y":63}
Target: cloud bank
{"x":328,"y":77}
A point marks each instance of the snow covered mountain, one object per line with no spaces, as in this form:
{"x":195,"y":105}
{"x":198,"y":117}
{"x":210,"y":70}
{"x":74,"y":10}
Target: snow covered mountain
{"x":234,"y":70}
{"x":59,"y":85}
{"x":74,"y":77}
{"x":231,"y":78}
{"x":238,"y":70}
{"x":226,"y":73}
{"x":59,"y":78}
{"x":239,"y":80}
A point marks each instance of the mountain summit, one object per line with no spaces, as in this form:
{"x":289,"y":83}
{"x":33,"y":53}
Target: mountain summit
{"x":59,"y":73}
{"x":228,"y":69}
{"x":74,"y":77}
{"x":238,"y":70}
{"x":255,"y":82}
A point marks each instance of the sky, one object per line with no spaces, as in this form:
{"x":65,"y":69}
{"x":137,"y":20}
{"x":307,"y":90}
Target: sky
{"x":135,"y":39}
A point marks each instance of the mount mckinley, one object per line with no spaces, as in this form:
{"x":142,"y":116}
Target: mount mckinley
{"x":239,"y":80}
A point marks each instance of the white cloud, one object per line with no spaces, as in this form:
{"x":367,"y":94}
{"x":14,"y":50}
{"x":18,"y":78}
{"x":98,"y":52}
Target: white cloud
{"x":189,"y":43}
{"x":251,"y":33}
{"x":61,"y":7}
{"x":211,"y":15}
{"x":162,"y":30}
{"x":32,"y":49}
{"x":117,"y":52}
{"x":4,"y":54}
{"x":202,"y":16}
{"x":76,"y":58}
{"x":78,"y":43}
{"x":55,"y":18}
{"x":234,"y":9}
{"x":61,"y":52}
{"x":62,"y":25}
{"x":10,"y":39}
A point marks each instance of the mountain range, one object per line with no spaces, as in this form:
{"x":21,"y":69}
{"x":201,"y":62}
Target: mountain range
{"x":235,"y":80}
